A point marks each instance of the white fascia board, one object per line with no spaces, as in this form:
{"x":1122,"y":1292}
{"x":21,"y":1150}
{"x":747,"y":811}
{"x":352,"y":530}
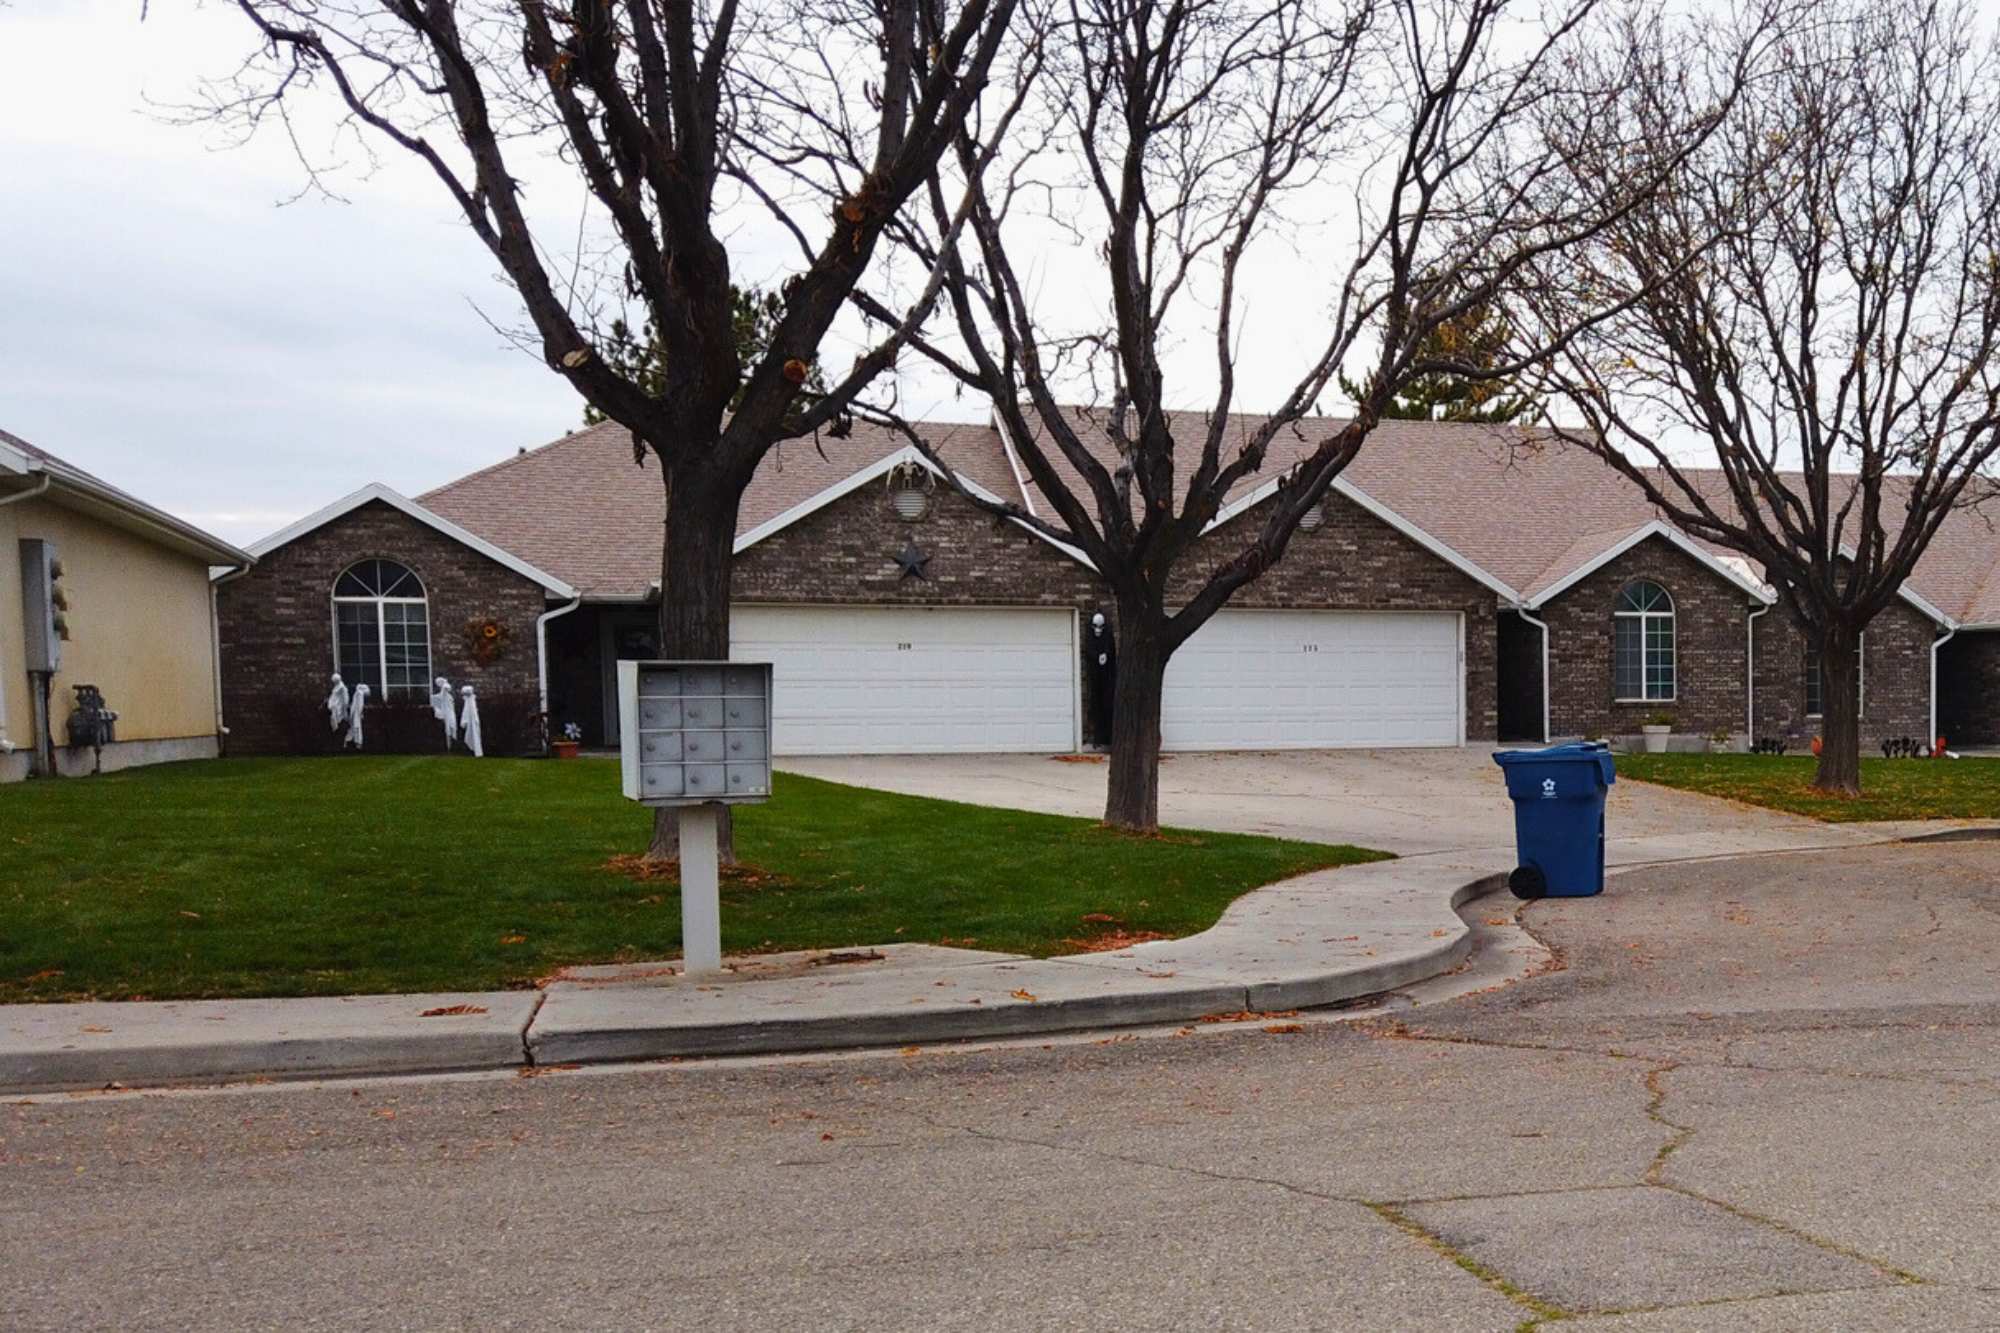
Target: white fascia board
{"x":1656,"y":528}
{"x":1349,"y":491}
{"x":880,"y":468}
{"x":1014,"y":463}
{"x":13,"y":460}
{"x":1912,"y":596}
{"x":403,"y":504}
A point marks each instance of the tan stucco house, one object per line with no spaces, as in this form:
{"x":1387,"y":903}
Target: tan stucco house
{"x":139,"y":619}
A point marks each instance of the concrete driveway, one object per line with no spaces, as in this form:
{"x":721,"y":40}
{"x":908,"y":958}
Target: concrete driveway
{"x":1411,"y":802}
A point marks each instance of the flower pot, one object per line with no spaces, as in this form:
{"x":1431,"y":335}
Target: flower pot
{"x":1656,"y":738}
{"x":565,"y":749}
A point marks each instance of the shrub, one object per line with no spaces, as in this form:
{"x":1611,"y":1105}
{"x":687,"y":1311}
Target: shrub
{"x":510,"y":724}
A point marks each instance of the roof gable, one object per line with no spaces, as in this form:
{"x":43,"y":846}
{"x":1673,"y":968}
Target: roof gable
{"x":376,"y":492}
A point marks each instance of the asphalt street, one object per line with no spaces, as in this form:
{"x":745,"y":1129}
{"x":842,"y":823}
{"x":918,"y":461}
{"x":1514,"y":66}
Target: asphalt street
{"x":1760,"y":1094}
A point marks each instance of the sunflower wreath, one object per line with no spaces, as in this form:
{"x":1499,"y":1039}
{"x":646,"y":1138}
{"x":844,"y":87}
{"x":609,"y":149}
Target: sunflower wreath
{"x":486,"y":639}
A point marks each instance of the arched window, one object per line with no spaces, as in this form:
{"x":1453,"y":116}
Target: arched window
{"x":1642,"y":648}
{"x":382,"y":629}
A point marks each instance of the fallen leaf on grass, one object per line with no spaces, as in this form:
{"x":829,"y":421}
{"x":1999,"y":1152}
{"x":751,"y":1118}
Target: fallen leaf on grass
{"x":453,"y":1011}
{"x":513,"y":939}
{"x":1281,"y":1029}
{"x":46,"y":974}
{"x":1113,"y":940}
{"x":192,"y":916}
{"x":1100,"y":919}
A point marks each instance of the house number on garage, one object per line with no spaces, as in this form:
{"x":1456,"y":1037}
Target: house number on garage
{"x":1308,"y":647}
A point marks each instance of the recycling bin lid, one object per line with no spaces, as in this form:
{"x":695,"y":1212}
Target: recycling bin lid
{"x":1570,"y":752}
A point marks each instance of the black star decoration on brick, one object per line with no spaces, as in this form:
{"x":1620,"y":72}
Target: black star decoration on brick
{"x":913,"y":562}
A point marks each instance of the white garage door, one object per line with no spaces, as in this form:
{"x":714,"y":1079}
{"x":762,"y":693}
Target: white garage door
{"x":1296,"y":680}
{"x":914,"y":680}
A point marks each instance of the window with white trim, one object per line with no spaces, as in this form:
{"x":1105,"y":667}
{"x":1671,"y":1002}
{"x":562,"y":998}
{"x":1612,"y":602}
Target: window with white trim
{"x":1816,"y":679}
{"x":382,"y":629}
{"x":1642,"y":644}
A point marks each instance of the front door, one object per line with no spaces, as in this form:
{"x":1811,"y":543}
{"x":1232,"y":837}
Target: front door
{"x":623,"y":635}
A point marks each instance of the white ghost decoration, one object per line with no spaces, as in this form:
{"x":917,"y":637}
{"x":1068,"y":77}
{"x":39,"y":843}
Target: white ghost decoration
{"x":359,"y":701}
{"x":468,"y":723}
{"x":444,"y":707}
{"x":336,"y":703}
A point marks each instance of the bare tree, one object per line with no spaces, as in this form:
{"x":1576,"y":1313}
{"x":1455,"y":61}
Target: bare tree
{"x":1815,"y":299}
{"x":1177,"y":138}
{"x":824,"y":116}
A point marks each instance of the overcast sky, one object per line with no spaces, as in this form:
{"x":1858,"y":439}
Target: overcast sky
{"x":167,"y":324}
{"x":171,"y":323}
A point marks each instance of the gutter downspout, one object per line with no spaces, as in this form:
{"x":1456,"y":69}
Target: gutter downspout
{"x":542,"y":646}
{"x":215,"y":661}
{"x":7,"y":746}
{"x":1542,"y":625}
{"x":1750,"y":671}
{"x":1936,"y":644}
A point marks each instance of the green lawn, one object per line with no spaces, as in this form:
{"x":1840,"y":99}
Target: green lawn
{"x":1890,"y":788}
{"x":350,"y":875}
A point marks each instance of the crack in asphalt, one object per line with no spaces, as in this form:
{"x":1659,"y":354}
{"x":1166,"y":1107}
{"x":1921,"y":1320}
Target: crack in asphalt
{"x":1681,"y":1135}
{"x":1389,"y":1212}
{"x":1396,"y":1030}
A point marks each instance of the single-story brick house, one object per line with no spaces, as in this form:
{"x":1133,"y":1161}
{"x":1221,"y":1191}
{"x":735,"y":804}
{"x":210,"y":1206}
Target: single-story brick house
{"x":1462,"y":583}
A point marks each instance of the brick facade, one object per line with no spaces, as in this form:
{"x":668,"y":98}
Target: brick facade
{"x":276,"y":621}
{"x":845,"y":553}
{"x":1709,"y":646}
{"x":1969,"y":689}
{"x":1896,"y":677}
{"x":1710,"y":643}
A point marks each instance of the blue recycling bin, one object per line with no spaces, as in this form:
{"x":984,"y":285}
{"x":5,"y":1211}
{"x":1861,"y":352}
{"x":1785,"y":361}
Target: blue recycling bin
{"x":1558,"y":798}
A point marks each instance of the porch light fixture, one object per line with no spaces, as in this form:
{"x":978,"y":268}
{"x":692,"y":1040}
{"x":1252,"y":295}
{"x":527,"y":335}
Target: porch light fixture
{"x":911,"y":486}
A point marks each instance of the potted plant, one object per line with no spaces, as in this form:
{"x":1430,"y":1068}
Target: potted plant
{"x":1657,"y":729}
{"x":571,"y":742}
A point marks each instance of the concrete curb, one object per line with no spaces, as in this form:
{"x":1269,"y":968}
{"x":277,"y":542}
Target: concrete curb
{"x":54,"y":1046}
{"x":1320,"y":939}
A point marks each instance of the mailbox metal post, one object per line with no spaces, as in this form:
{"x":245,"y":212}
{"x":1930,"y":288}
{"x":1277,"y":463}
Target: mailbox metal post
{"x":697,"y":736}
{"x":701,"y":889}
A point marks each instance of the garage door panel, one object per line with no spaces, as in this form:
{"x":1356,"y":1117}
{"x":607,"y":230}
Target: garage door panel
{"x":913,"y":680}
{"x":1314,"y":679}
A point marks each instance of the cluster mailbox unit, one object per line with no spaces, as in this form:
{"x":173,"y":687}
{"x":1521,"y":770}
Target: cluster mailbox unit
{"x":696,"y":735}
{"x":692,"y":732}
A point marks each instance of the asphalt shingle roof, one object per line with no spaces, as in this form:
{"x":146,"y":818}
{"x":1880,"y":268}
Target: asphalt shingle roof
{"x":1520,"y":504}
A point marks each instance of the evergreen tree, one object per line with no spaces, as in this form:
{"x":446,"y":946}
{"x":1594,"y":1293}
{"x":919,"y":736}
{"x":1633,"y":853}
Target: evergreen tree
{"x":753,"y":318}
{"x":1476,"y":339}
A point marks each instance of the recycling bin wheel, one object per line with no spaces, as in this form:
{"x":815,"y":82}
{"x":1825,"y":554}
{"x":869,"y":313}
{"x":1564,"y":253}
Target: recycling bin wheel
{"x":1528,"y":882}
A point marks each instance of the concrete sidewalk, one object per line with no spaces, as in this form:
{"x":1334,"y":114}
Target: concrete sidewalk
{"x":1320,"y":939}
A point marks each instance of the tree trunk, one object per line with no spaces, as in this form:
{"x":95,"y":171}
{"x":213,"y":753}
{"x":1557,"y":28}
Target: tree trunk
{"x":1132,"y":800}
{"x":1840,"y":714}
{"x":694,"y":605}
